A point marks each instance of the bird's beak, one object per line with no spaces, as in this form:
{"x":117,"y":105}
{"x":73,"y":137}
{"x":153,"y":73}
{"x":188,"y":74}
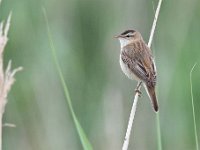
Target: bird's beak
{"x":118,"y":36}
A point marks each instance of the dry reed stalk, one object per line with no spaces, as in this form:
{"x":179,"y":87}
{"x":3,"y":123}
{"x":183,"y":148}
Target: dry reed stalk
{"x":134,"y":106}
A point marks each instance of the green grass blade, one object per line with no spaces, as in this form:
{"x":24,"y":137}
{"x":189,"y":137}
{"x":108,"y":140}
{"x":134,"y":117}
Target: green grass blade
{"x":193,"y":111}
{"x":84,"y":140}
{"x":158,"y":132}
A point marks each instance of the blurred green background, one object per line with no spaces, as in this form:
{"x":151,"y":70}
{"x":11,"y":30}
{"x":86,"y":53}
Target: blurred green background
{"x":101,"y":94}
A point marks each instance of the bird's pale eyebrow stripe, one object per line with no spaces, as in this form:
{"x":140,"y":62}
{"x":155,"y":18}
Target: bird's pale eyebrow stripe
{"x":130,"y":34}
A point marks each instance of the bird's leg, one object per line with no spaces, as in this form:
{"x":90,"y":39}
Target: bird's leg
{"x":137,"y":89}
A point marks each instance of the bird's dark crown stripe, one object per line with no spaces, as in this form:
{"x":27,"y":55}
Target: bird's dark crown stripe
{"x":127,"y":31}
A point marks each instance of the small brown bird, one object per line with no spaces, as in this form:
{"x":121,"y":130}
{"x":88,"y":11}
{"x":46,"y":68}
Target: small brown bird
{"x":137,"y":62}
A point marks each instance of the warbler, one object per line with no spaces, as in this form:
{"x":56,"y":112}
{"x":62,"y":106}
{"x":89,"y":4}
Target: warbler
{"x":137,"y":62}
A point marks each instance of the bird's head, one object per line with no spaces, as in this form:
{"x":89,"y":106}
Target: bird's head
{"x":128,"y":36}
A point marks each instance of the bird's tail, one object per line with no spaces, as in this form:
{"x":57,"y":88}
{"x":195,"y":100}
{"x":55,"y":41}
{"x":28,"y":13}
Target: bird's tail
{"x":152,"y":95}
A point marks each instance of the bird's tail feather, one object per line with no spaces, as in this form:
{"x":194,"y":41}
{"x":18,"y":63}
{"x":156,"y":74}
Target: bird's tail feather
{"x":152,"y":95}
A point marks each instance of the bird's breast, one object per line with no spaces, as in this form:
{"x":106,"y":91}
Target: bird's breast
{"x":127,"y":70}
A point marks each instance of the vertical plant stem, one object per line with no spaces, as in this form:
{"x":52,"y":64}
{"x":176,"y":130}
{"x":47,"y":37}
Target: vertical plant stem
{"x":130,"y":123}
{"x":1,"y":116}
{"x":83,"y":138}
{"x":134,"y":106}
{"x":193,"y":111}
{"x":154,"y":23}
{"x":158,"y":132}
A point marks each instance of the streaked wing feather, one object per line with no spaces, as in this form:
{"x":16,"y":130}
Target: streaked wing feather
{"x":140,"y":62}
{"x":134,"y":65}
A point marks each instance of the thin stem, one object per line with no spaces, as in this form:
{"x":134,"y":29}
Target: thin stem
{"x":134,"y":106}
{"x":1,"y":116}
{"x":130,"y":123}
{"x":158,"y":132}
{"x":84,"y":140}
{"x":193,"y":111}
{"x":154,"y":23}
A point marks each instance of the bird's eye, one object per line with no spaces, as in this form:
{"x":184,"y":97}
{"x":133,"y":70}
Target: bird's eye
{"x":128,"y":35}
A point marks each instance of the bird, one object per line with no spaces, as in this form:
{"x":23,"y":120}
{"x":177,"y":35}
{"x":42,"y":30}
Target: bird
{"x":137,"y":62}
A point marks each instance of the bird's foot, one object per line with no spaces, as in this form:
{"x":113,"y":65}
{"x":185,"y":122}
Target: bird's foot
{"x":138,"y":91}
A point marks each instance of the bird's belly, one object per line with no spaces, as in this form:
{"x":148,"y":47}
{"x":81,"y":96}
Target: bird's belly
{"x":127,"y":71}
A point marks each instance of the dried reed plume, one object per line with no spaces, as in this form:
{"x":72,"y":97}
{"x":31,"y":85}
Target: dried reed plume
{"x":7,"y":76}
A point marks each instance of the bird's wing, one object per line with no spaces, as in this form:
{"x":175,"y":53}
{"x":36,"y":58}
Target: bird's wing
{"x":139,"y":60}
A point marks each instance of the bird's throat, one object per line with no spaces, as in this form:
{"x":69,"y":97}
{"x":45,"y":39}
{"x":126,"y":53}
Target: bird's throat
{"x":124,"y":42}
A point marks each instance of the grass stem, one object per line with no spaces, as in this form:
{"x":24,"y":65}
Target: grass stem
{"x":193,"y":111}
{"x":83,"y":138}
{"x":158,"y":132}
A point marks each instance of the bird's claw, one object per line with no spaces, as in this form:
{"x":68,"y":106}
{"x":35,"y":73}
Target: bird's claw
{"x":139,"y":92}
